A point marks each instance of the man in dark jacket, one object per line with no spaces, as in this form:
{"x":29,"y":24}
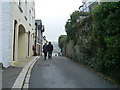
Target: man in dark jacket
{"x":49,"y":49}
{"x":45,"y":50}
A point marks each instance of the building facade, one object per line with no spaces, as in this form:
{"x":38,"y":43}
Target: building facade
{"x":44,"y":40}
{"x":38,"y":36}
{"x":88,"y":5}
{"x":0,"y":32}
{"x":18,"y":30}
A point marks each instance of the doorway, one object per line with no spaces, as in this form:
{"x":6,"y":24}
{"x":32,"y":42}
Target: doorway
{"x":21,"y":42}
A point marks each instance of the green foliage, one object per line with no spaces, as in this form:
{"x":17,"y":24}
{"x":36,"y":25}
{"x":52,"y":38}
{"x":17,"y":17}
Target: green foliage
{"x":62,"y":41}
{"x":103,"y":39}
{"x":107,"y":33}
{"x":71,"y":26}
{"x":84,"y":13}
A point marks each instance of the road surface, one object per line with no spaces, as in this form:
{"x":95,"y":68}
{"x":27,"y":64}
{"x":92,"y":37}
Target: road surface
{"x":61,"y":72}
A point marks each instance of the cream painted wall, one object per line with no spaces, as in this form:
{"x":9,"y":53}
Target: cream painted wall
{"x":31,"y":44}
{"x":21,"y":19}
{"x":10,"y":14}
{"x":26,"y":45}
{"x":16,"y":41}
{"x":21,"y":44}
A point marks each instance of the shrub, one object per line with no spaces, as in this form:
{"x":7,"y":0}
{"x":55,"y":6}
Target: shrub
{"x":62,"y":41}
{"x":107,"y":33}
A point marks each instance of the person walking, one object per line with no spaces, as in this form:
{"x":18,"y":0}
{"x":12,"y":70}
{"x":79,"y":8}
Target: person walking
{"x":49,"y":49}
{"x":45,"y":50}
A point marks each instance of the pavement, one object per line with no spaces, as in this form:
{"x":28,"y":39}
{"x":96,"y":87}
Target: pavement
{"x":14,"y":76}
{"x":61,"y":72}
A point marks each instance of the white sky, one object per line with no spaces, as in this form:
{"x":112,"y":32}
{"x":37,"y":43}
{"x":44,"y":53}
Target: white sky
{"x":54,"y":14}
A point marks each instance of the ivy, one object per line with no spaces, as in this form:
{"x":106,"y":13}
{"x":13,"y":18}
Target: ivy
{"x":72,"y":26}
{"x":62,"y":41}
{"x":107,"y":34}
{"x":104,"y":37}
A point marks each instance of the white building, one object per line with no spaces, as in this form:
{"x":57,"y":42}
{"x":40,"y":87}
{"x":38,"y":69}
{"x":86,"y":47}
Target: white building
{"x":0,"y":32}
{"x":55,"y":52}
{"x":18,"y":28}
{"x":44,"y":40}
{"x":87,"y":4}
{"x":38,"y":36}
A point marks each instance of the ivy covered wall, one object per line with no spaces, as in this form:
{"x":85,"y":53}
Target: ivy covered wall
{"x":94,"y":39}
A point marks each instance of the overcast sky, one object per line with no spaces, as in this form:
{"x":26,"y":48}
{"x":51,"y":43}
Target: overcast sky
{"x":54,"y":14}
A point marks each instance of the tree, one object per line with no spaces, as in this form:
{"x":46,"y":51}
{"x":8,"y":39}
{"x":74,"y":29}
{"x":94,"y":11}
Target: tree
{"x":62,"y":41}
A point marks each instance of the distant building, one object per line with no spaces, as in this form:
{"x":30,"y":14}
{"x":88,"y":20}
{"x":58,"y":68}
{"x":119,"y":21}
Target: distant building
{"x":38,"y":36}
{"x":88,"y":5}
{"x":55,"y":52}
{"x":18,"y":30}
{"x":44,"y":40}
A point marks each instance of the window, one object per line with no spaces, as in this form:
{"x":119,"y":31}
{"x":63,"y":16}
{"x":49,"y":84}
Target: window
{"x":33,"y":7}
{"x":34,"y":12}
{"x":33,"y":3}
{"x":30,"y":17}
{"x":26,"y":8}
{"x":32,"y":22}
{"x":20,"y":3}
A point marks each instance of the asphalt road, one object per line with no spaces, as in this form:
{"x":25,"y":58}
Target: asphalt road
{"x":61,"y":72}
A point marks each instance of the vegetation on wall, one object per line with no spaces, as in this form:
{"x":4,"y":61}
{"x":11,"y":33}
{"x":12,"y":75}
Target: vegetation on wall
{"x":72,"y":26}
{"x":62,"y":41}
{"x":103,"y":37}
{"x":107,"y":36}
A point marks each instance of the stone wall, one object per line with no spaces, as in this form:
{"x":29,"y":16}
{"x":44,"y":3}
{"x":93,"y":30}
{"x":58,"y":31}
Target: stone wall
{"x":82,"y":51}
{"x":69,"y":49}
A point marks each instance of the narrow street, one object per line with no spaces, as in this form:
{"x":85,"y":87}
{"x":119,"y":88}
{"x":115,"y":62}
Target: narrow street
{"x":83,"y":30}
{"x":61,"y":72}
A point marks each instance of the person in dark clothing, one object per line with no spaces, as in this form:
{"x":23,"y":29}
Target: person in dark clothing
{"x":49,"y":49}
{"x":45,"y":50}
